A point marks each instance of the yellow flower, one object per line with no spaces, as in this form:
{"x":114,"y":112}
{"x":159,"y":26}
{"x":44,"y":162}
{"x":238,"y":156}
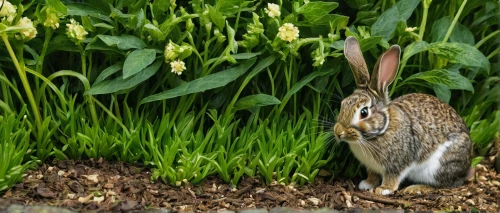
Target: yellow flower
{"x":75,"y":31}
{"x":51,"y":20}
{"x":28,"y":33}
{"x":410,"y":29}
{"x":288,"y":32}
{"x":8,"y":10}
{"x":272,"y":10}
{"x":178,"y":66}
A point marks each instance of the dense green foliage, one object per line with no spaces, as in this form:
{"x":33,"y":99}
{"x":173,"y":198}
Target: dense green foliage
{"x":227,"y":88}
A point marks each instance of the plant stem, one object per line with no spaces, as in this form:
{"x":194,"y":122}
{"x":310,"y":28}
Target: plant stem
{"x":93,"y":113}
{"x":486,"y":39}
{"x":24,"y":80}
{"x":448,"y":34}
{"x":493,"y":53}
{"x":426,"y":5}
{"x":39,"y":64}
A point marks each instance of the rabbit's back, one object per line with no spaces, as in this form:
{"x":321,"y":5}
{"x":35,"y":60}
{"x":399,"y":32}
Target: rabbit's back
{"x":444,"y":153}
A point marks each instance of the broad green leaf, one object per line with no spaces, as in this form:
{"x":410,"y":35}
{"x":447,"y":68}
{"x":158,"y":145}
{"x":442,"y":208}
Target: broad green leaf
{"x":452,"y":80}
{"x":123,"y":42}
{"x":326,"y":19}
{"x":159,"y":7}
{"x":98,"y":44}
{"x":414,"y":48}
{"x":119,"y":83}
{"x":58,"y":6}
{"x":406,"y":8}
{"x":386,"y":23}
{"x":313,"y":10}
{"x":138,"y":60}
{"x":154,"y":32}
{"x":212,"y":81}
{"x":462,"y":54}
{"x":256,"y":100}
{"x":369,"y":43}
{"x":442,"y":92}
{"x":82,"y":9}
{"x":61,"y":42}
{"x":459,"y":34}
{"x":109,"y":71}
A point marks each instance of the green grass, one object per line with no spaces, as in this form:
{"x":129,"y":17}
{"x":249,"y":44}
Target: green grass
{"x":248,"y":103}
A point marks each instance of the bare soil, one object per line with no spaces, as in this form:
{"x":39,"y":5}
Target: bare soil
{"x":101,"y":186}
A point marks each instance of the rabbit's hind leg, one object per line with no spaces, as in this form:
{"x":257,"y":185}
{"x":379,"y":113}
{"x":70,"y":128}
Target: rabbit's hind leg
{"x":456,"y":163}
{"x":418,"y":189}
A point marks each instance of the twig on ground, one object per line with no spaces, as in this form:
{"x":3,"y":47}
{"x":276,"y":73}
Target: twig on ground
{"x":375,"y":198}
{"x":242,"y":191}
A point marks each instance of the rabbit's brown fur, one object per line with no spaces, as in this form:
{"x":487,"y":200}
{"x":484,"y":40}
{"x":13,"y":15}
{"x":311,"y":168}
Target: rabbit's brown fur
{"x":416,"y":136}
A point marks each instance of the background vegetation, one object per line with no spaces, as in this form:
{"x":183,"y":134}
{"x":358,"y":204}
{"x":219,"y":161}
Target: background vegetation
{"x":227,"y":88}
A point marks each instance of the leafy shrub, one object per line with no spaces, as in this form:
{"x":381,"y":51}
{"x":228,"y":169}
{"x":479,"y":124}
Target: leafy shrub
{"x":194,"y":88}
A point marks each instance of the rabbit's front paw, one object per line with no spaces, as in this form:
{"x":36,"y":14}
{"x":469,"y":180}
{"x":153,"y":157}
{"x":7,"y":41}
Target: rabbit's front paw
{"x":383,"y":191}
{"x":365,"y":185}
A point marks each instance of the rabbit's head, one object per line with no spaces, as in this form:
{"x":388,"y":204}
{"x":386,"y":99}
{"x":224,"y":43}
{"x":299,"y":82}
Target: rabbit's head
{"x":364,"y":114}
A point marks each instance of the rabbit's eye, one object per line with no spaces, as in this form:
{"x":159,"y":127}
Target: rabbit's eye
{"x":364,"y":112}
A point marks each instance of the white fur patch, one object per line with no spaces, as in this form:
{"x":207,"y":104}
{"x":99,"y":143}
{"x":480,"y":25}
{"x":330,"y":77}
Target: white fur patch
{"x":364,"y":185}
{"x":385,"y":192}
{"x":366,"y":158}
{"x":425,"y":172}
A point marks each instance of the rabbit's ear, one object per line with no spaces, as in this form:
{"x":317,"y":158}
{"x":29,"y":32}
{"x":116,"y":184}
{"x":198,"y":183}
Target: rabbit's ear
{"x":354,"y":56}
{"x":385,"y":71}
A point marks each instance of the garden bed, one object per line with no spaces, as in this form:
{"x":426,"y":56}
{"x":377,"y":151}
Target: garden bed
{"x":107,"y":186}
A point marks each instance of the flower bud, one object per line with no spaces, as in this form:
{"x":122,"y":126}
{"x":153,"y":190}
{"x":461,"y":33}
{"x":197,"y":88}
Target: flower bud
{"x":8,"y":11}
{"x":29,"y":32}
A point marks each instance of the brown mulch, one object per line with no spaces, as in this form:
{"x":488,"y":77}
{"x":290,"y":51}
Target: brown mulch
{"x":104,"y":186}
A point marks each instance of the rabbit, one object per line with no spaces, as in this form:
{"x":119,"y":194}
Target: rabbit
{"x":414,"y":137}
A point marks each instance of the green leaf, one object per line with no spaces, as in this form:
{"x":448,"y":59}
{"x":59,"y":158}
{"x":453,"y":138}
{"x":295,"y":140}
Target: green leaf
{"x":261,"y":66}
{"x":369,"y":43}
{"x":123,"y":42}
{"x":247,"y":55}
{"x":414,"y":48}
{"x":216,"y":17}
{"x":314,"y":10}
{"x":406,"y":8}
{"x":256,"y":100}
{"x":232,"y":41}
{"x":304,"y":81}
{"x":138,"y":60}
{"x":462,"y":54}
{"x":159,"y":7}
{"x":104,"y":25}
{"x":154,"y":32}
{"x":61,"y":42}
{"x":58,"y":6}
{"x":109,"y":71}
{"x":442,"y":92}
{"x":386,"y":23}
{"x":212,"y":81}
{"x":119,"y":83}
{"x":82,"y":9}
{"x":450,"y":79}
{"x":459,"y":34}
